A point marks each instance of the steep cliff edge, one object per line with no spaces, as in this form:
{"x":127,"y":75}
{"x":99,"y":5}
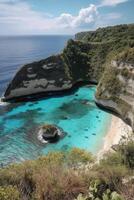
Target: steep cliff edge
{"x":115,"y":90}
{"x":118,"y":33}
{"x":104,"y":56}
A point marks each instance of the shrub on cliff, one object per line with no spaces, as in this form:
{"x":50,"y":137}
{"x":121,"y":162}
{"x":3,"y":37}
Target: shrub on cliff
{"x":77,"y":156}
{"x":127,"y":151}
{"x":58,"y":176}
{"x":9,"y":193}
{"x":126,"y":56}
{"x":111,"y":33}
{"x":76,"y":56}
{"x":49,"y":177}
{"x":123,"y":156}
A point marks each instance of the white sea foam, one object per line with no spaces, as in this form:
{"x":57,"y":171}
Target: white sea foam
{"x":2,"y":103}
{"x":41,"y":138}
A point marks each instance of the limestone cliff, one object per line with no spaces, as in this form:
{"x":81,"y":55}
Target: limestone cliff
{"x":115,"y":90}
{"x":43,"y":76}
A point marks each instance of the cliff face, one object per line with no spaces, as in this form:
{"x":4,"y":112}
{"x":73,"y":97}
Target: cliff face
{"x":46,"y":75}
{"x":91,"y":57}
{"x":116,"y":87}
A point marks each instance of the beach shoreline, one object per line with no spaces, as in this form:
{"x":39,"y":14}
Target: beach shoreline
{"x":117,"y":129}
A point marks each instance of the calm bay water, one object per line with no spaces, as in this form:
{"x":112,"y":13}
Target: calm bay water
{"x":83,"y":122}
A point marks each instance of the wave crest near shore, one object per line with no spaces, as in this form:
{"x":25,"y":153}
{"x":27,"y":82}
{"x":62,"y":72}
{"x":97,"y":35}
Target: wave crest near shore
{"x":2,"y":103}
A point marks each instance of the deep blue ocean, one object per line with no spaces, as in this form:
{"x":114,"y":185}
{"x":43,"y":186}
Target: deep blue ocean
{"x":76,"y":113}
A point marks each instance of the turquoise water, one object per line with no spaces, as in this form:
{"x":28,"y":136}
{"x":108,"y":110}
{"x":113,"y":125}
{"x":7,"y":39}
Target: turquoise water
{"x":83,"y":122}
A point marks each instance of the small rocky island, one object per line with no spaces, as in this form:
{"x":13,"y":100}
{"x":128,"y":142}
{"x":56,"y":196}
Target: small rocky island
{"x":49,"y":133}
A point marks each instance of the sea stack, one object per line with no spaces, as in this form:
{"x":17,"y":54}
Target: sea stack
{"x":49,"y":133}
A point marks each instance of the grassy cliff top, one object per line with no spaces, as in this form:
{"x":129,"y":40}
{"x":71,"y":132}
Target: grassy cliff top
{"x":62,"y":176}
{"x":111,"y":33}
{"x":126,"y":56}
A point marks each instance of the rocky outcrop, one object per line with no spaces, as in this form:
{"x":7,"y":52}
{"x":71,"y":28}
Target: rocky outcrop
{"x":43,"y":76}
{"x":50,"y":133}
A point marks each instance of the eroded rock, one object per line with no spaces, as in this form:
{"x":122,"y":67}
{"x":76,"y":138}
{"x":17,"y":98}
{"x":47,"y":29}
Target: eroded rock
{"x":50,"y":133}
{"x":116,"y":89}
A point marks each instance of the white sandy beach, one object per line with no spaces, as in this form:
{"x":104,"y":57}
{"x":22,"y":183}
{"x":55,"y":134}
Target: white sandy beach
{"x":117,"y":129}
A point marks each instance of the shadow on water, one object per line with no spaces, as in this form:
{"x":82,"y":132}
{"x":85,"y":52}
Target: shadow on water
{"x":74,"y":109}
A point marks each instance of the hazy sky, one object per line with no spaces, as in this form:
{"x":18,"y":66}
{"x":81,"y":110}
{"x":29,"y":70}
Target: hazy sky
{"x":62,"y":16}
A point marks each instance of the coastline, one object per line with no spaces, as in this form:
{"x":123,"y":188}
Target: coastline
{"x":117,"y":129}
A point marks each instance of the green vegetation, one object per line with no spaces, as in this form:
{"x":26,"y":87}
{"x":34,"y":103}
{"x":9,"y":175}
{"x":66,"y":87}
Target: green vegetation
{"x":72,"y":175}
{"x":89,"y":55}
{"x":126,"y":56}
{"x":107,"y":195}
{"x":108,"y":34}
{"x":75,"y":55}
{"x":9,"y":192}
{"x":112,"y":83}
{"x":50,"y":177}
{"x":116,"y":84}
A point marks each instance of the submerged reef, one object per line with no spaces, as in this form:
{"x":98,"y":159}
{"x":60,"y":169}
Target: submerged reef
{"x":104,"y":57}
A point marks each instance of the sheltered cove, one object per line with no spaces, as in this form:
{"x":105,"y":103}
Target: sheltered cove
{"x":89,"y":58}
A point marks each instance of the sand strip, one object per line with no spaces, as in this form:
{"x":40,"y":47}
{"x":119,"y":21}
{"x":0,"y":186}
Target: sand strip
{"x":117,"y":129}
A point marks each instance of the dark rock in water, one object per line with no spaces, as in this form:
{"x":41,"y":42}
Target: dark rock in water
{"x":86,"y":137}
{"x":49,"y":134}
{"x":65,"y":117}
{"x":39,"y":109}
{"x":93,"y":133}
{"x":30,"y":105}
{"x":97,"y":117}
{"x":76,"y":95}
{"x":85,"y":102}
{"x":86,"y":129}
